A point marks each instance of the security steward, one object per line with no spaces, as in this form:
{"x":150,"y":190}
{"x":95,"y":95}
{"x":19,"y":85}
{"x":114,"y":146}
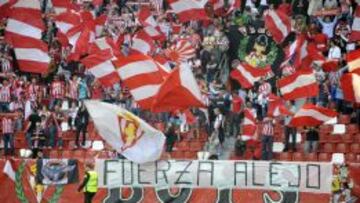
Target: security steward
{"x":90,"y":183}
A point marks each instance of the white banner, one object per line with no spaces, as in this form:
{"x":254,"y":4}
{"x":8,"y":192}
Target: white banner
{"x":312,"y":177}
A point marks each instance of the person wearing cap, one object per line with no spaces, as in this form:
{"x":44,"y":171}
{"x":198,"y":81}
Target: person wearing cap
{"x":267,"y":138}
{"x":90,"y":183}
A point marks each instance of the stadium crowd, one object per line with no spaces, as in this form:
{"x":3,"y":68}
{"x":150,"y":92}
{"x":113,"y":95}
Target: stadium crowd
{"x":44,"y":106}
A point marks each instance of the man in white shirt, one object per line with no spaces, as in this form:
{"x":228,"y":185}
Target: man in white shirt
{"x":334,"y":51}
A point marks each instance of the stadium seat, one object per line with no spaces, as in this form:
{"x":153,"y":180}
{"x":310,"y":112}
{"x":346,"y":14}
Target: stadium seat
{"x":67,"y":154}
{"x":53,"y":154}
{"x":285,"y":156}
{"x":324,"y":157}
{"x":298,"y":156}
{"x":356,"y":138}
{"x":352,"y":128}
{"x":344,"y":119}
{"x":325,"y":129}
{"x":328,"y":148}
{"x":342,"y":148}
{"x":323,"y":137}
{"x":190,"y":155}
{"x":335,"y":138}
{"x":347,"y":138}
{"x":350,"y":157}
{"x":311,"y":157}
{"x":355,"y":147}
{"x":196,"y":146}
{"x":182,"y":146}
{"x":79,"y":154}
{"x":177,"y":155}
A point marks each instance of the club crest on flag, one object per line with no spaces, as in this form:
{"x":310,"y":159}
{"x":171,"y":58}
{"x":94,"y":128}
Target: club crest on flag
{"x":56,"y":170}
{"x":130,"y":130}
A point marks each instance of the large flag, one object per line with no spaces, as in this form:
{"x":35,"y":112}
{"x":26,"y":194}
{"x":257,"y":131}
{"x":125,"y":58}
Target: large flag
{"x":181,"y":51}
{"x":249,"y":123}
{"x":104,"y":43}
{"x":301,"y":84}
{"x":188,"y":10}
{"x":277,"y":107}
{"x":350,"y":84}
{"x":57,"y":171}
{"x":355,"y":30}
{"x":61,"y":6}
{"x":155,"y":33}
{"x":5,"y":8}
{"x":278,"y":23}
{"x":146,"y":18}
{"x":126,"y":133}
{"x":142,"y":43}
{"x":31,"y":54}
{"x":179,"y":91}
{"x":247,"y":75}
{"x":25,"y":20}
{"x":142,"y":75}
{"x":353,"y":61}
{"x":100,"y":65}
{"x":311,"y":115}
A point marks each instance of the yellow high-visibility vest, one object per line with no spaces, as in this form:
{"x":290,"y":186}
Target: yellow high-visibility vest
{"x":92,"y":183}
{"x":336,"y":184}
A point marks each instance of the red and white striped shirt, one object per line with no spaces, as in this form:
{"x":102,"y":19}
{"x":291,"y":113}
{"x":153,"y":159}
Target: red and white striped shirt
{"x":73,"y":89}
{"x":57,"y":90}
{"x":265,"y":89}
{"x":33,"y":91}
{"x":268,"y":129}
{"x":5,"y":94}
{"x":7,"y":125}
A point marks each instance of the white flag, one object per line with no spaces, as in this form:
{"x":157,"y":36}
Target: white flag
{"x":9,"y":170}
{"x":126,"y":133}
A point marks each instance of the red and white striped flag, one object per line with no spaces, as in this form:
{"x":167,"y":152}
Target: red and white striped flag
{"x":355,"y":30}
{"x":353,"y":61}
{"x":181,"y":51}
{"x":5,"y":8}
{"x":142,"y":44}
{"x":100,"y":65}
{"x":188,"y":10}
{"x":278,"y":23}
{"x":350,"y":84}
{"x":146,"y":18}
{"x":311,"y":115}
{"x":218,"y":7}
{"x":31,"y":54}
{"x":301,"y":84}
{"x":330,"y":65}
{"x":61,"y":6}
{"x":104,"y":43}
{"x":277,"y":107}
{"x":67,"y":20}
{"x":164,"y":65}
{"x":25,"y":20}
{"x":247,"y":75}
{"x":296,"y":47}
{"x":249,"y":123}
{"x":141,"y":74}
{"x":179,"y":91}
{"x":155,"y":33}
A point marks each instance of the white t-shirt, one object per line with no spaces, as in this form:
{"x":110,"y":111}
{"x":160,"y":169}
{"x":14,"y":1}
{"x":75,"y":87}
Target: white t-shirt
{"x":334,"y":53}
